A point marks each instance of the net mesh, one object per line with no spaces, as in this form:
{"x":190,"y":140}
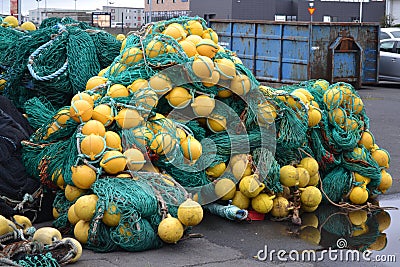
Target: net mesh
{"x":269,"y":127}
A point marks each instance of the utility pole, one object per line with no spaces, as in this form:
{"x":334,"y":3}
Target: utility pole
{"x":19,"y":10}
{"x":361,"y":10}
{"x":39,"y":13}
{"x":45,"y":9}
{"x":150,"y":8}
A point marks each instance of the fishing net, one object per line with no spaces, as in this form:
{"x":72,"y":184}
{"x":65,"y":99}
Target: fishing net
{"x":140,"y":202}
{"x":55,"y":61}
{"x":34,"y":253}
{"x":185,"y":118}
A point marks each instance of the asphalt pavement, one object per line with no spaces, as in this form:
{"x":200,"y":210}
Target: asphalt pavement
{"x":228,"y":243}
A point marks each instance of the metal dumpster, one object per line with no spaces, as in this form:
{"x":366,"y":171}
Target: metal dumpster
{"x":290,"y":52}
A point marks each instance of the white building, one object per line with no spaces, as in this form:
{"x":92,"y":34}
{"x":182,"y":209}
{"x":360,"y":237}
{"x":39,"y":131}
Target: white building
{"x":38,"y":15}
{"x":393,"y":10}
{"x":130,"y":16}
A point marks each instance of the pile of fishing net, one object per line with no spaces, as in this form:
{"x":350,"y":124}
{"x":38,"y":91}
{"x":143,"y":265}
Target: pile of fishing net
{"x":24,"y":245}
{"x":54,"y":61}
{"x":175,"y":118}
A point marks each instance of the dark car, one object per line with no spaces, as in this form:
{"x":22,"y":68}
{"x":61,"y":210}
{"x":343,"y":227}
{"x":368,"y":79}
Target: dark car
{"x":389,"y":64}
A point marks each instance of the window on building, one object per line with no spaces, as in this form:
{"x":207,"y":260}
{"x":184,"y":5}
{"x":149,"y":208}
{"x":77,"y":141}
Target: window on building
{"x":128,"y":17}
{"x":291,"y":18}
{"x":148,"y":2}
{"x":173,"y":1}
{"x":135,"y":17}
{"x":112,"y":10}
{"x":112,"y":17}
{"x":184,"y":0}
{"x":158,"y":1}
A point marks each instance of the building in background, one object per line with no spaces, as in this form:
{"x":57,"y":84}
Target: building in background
{"x":393,"y":11}
{"x":284,"y":10}
{"x":167,"y":9}
{"x":130,"y":17}
{"x":343,"y":10}
{"x":38,"y":15}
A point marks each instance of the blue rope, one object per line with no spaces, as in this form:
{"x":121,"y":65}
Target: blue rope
{"x":48,"y":77}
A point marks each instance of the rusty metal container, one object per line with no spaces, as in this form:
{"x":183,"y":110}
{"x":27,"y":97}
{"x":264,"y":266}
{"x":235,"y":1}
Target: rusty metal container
{"x":290,"y":52}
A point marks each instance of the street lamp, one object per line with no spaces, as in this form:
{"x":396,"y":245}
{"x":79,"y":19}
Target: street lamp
{"x":150,"y":9}
{"x":40,"y":14}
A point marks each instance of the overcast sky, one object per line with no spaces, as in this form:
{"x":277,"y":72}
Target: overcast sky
{"x":69,"y":4}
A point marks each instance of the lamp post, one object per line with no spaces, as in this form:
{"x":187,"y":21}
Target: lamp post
{"x":39,"y":13}
{"x":150,"y":9}
{"x":19,"y":10}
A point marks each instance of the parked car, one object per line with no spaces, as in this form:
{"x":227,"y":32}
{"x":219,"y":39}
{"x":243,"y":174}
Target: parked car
{"x":389,"y":33}
{"x":389,"y":64}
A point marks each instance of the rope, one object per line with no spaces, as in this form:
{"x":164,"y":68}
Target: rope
{"x":50,"y":76}
{"x":230,"y":212}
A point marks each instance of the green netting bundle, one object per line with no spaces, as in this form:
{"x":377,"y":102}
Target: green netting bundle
{"x":107,"y":47}
{"x":336,"y":184}
{"x":38,"y":260}
{"x":53,"y":22}
{"x":327,"y":159}
{"x":56,"y":60}
{"x":291,"y":122}
{"x":19,"y":86}
{"x":8,"y":37}
{"x":361,"y":162}
{"x":139,"y":204}
{"x":268,"y":168}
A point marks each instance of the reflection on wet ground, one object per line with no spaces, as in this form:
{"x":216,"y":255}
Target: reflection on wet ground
{"x":333,"y":228}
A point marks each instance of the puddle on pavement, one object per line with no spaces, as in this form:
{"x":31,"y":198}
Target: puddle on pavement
{"x":331,"y":227}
